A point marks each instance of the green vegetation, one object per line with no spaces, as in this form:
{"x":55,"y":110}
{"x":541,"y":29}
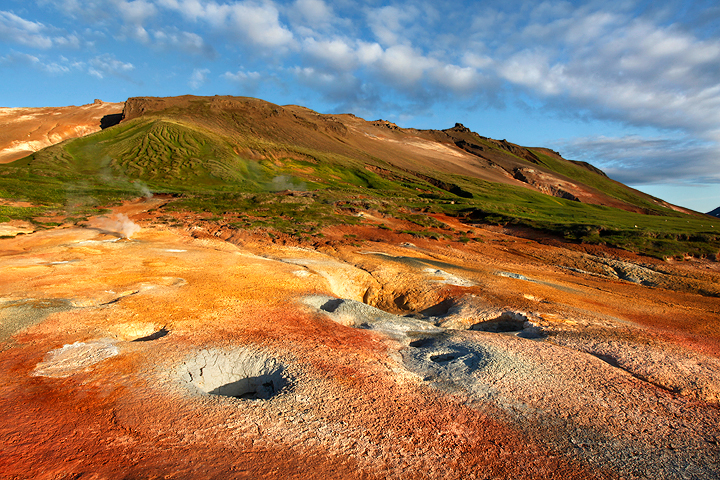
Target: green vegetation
{"x":249,"y":181}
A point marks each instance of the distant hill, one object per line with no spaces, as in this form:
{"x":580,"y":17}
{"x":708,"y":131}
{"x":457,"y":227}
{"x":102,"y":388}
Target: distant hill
{"x":222,"y":153}
{"x":385,"y":149}
{"x":715,"y":213}
{"x":27,"y":130}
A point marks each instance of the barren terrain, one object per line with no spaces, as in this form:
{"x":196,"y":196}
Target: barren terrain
{"x":195,"y":350}
{"x":27,"y":130}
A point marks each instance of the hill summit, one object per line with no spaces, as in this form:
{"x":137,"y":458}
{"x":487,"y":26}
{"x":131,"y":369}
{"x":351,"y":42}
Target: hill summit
{"x":438,"y":157}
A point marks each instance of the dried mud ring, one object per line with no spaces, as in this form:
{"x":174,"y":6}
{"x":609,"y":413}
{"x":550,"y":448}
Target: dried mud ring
{"x":241,"y":373}
{"x":73,"y":358}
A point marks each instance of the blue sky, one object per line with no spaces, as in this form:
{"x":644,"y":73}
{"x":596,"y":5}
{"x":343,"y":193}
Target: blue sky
{"x":632,"y":87}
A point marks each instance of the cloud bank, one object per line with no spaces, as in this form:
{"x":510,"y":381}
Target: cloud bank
{"x":643,"y":68}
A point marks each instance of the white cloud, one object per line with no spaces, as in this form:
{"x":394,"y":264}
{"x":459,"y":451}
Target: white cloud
{"x":472,"y":59}
{"x":15,"y":29}
{"x":107,"y":65}
{"x":314,"y":11}
{"x":50,"y":67}
{"x":186,"y":42}
{"x":249,"y":82}
{"x":241,"y":76}
{"x":191,"y":9}
{"x":335,"y":54}
{"x":628,"y":70}
{"x":387,"y":23}
{"x":137,"y":11}
{"x":461,"y":80}
{"x":369,"y":53}
{"x":198,"y":78}
{"x":637,"y":160}
{"x":403,"y":66}
{"x":259,"y":23}
{"x":335,"y":87}
{"x":88,"y":10}
{"x":68,"y":41}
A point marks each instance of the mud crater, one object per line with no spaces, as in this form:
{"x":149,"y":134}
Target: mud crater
{"x":153,"y":336}
{"x":241,"y":373}
{"x":506,"y":322}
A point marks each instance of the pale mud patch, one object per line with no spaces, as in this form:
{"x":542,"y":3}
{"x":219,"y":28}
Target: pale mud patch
{"x":442,"y":276}
{"x":356,"y":314}
{"x":472,"y":313}
{"x":136,"y":331}
{"x":76,"y":357}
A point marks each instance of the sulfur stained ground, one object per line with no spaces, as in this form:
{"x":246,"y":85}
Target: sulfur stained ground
{"x":621,"y":381}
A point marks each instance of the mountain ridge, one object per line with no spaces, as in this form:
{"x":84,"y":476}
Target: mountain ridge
{"x":484,"y":158}
{"x":220,"y":154}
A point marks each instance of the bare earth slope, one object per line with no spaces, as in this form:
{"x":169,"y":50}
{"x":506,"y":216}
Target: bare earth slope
{"x":27,"y":130}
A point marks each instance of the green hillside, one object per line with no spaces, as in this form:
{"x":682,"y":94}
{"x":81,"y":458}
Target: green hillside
{"x":243,"y":156}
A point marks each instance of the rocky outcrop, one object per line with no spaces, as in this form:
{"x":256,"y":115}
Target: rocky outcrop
{"x":546,"y":183}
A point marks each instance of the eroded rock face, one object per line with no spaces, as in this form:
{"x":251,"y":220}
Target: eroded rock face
{"x":208,"y":358}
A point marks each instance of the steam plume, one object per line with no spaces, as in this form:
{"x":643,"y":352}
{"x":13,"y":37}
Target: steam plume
{"x":284,"y":182}
{"x":119,"y":224}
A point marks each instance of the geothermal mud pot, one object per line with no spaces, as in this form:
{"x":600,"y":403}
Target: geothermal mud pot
{"x":169,"y":353}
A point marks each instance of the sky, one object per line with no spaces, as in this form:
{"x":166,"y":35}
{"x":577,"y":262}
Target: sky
{"x":632,"y":87}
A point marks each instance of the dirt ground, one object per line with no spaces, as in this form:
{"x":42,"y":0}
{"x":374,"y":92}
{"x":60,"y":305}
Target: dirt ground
{"x":506,"y":356}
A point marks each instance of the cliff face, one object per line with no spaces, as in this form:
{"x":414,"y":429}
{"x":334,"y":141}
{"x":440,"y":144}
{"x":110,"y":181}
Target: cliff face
{"x":27,"y":130}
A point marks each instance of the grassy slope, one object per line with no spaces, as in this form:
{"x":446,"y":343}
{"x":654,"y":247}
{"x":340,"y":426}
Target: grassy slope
{"x":207,"y":162}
